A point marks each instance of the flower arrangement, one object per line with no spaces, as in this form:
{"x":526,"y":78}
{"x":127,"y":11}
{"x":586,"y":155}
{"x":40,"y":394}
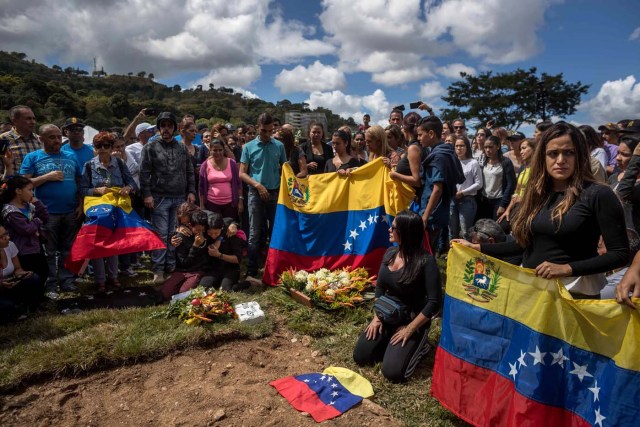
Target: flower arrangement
{"x":201,"y":305}
{"x":329,"y":289}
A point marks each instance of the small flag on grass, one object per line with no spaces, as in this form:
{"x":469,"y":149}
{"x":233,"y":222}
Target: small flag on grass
{"x":326,"y":395}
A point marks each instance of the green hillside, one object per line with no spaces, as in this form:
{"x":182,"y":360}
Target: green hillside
{"x":105,"y":100}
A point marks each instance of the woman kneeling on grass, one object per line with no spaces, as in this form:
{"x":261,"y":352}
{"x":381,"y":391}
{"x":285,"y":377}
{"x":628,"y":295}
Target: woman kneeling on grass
{"x":409,"y":275}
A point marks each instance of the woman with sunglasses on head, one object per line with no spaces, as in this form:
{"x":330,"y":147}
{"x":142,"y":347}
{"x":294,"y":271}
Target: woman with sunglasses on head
{"x":499,"y":181}
{"x":101,"y":175}
{"x":478,"y":144}
{"x":342,"y":162}
{"x":409,"y":276}
{"x":317,"y":152}
{"x":219,"y":185}
{"x":562,"y":216}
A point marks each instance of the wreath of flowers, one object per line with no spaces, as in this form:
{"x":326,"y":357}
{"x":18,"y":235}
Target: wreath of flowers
{"x":201,"y":305}
{"x":328,"y":289}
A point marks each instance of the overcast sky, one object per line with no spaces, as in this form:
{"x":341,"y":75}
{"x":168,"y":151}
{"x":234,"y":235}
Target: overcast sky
{"x":352,"y":56}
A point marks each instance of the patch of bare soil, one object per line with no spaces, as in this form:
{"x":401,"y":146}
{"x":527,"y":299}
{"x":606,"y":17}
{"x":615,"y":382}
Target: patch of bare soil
{"x":222,"y":386}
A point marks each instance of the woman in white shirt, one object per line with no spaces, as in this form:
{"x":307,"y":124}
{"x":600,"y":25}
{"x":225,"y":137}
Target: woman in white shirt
{"x":463,"y":206}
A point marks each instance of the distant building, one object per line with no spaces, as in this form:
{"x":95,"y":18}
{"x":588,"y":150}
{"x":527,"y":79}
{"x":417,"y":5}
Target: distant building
{"x":301,"y":120}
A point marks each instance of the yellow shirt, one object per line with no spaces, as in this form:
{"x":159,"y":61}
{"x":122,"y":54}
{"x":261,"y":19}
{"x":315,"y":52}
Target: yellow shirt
{"x":523,"y":180}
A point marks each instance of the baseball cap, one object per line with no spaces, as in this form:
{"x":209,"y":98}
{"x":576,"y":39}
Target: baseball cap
{"x":516,"y":136}
{"x":73,"y":121}
{"x":144,"y":127}
{"x":609,"y":126}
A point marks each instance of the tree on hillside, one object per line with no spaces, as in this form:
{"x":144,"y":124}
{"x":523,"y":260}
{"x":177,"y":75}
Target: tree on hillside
{"x":510,"y":98}
{"x":151,"y":76}
{"x":142,"y":74}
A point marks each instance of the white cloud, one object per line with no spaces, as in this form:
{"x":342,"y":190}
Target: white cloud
{"x":317,"y":77}
{"x":164,"y":37}
{"x":354,"y":106}
{"x":453,"y":71}
{"x":616,"y":100}
{"x":230,"y":76}
{"x":432,"y":91}
{"x":406,"y":75}
{"x":635,"y":34}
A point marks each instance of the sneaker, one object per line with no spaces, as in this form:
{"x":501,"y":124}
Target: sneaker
{"x":52,"y":295}
{"x":159,"y":278}
{"x":128,"y":272}
{"x":68,"y":287}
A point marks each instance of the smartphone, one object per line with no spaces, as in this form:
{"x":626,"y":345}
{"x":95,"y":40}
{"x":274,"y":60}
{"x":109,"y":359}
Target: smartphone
{"x":415,"y":105}
{"x":151,"y":111}
{"x":398,"y":107}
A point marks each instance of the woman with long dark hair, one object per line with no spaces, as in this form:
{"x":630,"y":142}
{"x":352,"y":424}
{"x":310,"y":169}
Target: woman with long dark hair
{"x":625,"y":182}
{"x":499,"y":181}
{"x":409,"y":275}
{"x":342,"y":162}
{"x":562,"y":216}
{"x":317,"y":152}
{"x":463,"y":206}
{"x":295,"y":155}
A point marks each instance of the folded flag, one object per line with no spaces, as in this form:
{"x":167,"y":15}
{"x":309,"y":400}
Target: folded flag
{"x":333,"y":221}
{"x":112,"y":227}
{"x":517,"y":350}
{"x":326,"y":395}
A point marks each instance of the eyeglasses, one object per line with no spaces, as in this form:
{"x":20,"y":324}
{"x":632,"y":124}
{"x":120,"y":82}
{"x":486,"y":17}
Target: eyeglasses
{"x":481,"y":134}
{"x":99,"y":146}
{"x":458,"y":127}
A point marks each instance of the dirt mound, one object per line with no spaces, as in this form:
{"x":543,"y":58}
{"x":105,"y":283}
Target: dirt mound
{"x":223,"y":386}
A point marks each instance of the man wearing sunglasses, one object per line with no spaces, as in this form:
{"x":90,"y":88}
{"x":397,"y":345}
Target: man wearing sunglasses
{"x":459,"y":128}
{"x":73,"y":129}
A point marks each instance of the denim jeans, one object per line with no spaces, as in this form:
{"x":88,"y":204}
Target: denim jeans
{"x":61,"y":232}
{"x":100,"y":274}
{"x":463,"y":212}
{"x":261,"y":216}
{"x":163,"y":219}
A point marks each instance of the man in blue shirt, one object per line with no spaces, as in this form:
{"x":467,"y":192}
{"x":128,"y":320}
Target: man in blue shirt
{"x":55,"y":176}
{"x":441,"y":171}
{"x":73,"y":129}
{"x":260,"y":170}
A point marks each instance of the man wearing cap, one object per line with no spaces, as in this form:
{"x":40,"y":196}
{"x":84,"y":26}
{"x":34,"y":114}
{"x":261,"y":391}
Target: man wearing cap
{"x":144,"y":131}
{"x":21,"y":138}
{"x":166,"y":181}
{"x":55,"y":175}
{"x":611,"y":141}
{"x":73,"y":129}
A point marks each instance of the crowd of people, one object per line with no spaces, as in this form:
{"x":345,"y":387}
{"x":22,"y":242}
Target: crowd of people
{"x":564,"y":202}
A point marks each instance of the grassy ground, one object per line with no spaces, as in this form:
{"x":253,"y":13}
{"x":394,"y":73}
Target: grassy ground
{"x":50,"y":344}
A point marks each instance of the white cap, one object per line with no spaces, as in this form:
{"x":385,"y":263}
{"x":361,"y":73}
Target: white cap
{"x":143,"y":127}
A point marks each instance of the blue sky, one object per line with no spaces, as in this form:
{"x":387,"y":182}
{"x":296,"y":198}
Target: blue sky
{"x":352,"y":56}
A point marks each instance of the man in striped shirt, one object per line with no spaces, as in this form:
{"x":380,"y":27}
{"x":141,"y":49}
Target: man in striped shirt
{"x":21,"y":138}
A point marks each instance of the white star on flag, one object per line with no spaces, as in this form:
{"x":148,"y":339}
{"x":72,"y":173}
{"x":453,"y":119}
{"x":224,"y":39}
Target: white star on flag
{"x":383,"y":218}
{"x":599,"y":418}
{"x":353,"y":234}
{"x":521,"y":358}
{"x":538,"y":357}
{"x":329,"y":378}
{"x":580,"y":371}
{"x":334,"y":394}
{"x":332,"y":403}
{"x":596,"y":392}
{"x":307,"y":380}
{"x":363,"y":225}
{"x":334,"y":385}
{"x":142,"y":294}
{"x":371,"y":219}
{"x":559,"y":358}
{"x":513,"y":371}
{"x":323,"y":377}
{"x":347,"y":246}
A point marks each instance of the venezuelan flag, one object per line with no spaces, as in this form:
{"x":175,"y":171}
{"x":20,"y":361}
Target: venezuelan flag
{"x":324,"y":396}
{"x":334,"y":221}
{"x":112,"y":227}
{"x":518,"y":350}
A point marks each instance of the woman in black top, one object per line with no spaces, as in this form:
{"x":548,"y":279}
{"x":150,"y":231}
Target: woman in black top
{"x":317,"y":151}
{"x":408,"y":168}
{"x":296,"y":156}
{"x":562,"y":215}
{"x":626,"y":183}
{"x":342,"y":163}
{"x":409,"y":274}
{"x":225,"y":254}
